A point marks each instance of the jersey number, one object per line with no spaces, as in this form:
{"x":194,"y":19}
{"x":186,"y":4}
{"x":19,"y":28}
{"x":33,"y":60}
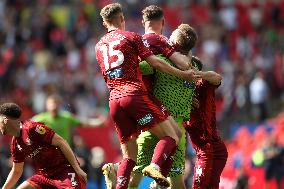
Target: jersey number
{"x":108,"y":51}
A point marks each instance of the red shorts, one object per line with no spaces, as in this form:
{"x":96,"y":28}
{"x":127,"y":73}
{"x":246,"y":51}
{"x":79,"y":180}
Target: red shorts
{"x":133,"y":114}
{"x":66,"y":179}
{"x":211,"y":160}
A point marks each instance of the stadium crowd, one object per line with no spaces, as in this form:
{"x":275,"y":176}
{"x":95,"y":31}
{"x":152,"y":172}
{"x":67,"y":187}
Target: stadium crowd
{"x":47,"y":47}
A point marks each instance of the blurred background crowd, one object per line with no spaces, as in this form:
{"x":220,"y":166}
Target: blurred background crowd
{"x":47,"y":47}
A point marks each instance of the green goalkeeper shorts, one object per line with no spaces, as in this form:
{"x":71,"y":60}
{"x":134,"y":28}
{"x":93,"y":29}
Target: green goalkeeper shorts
{"x":146,"y":144}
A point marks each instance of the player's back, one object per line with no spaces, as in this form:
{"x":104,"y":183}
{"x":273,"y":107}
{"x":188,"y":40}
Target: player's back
{"x":202,"y":124}
{"x":118,"y":55}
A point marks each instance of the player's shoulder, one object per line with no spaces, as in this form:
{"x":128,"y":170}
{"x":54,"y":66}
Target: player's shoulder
{"x":151,"y":36}
{"x":31,"y":124}
{"x":166,"y":39}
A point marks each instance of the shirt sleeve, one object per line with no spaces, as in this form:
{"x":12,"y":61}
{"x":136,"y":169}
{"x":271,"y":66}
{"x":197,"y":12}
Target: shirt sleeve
{"x":165,"y":46}
{"x":142,"y":47}
{"x":18,"y":155}
{"x":41,"y":133}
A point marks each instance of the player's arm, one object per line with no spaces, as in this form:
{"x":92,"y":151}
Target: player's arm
{"x":212,"y":77}
{"x":69,"y":155}
{"x":14,"y":175}
{"x":157,"y":63}
{"x":181,"y":61}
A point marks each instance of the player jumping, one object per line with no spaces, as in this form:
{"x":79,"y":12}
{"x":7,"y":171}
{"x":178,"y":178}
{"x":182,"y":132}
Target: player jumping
{"x":131,"y":107}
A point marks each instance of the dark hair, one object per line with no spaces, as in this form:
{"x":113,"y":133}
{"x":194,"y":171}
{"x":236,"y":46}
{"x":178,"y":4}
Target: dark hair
{"x":196,"y":62}
{"x":11,"y":110}
{"x":187,"y":37}
{"x":152,"y":12}
{"x":111,"y":11}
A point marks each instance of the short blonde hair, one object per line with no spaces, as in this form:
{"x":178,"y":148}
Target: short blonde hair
{"x":111,"y":11}
{"x":186,"y":37}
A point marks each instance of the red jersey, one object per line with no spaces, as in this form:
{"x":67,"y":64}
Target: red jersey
{"x":117,"y":54}
{"x":35,"y":142}
{"x":202,"y":125}
{"x":158,"y":44}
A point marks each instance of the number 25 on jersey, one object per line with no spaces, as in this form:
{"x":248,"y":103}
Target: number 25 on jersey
{"x":109,"y":51}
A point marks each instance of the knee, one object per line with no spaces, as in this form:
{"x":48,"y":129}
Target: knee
{"x":176,"y":138}
{"x":179,"y":132}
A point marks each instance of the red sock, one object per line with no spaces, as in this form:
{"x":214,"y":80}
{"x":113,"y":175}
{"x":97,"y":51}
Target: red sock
{"x":123,"y":173}
{"x":166,"y":168}
{"x":164,"y":149}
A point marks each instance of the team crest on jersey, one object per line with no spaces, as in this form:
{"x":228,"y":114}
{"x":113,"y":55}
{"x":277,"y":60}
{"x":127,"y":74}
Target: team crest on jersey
{"x":145,"y":42}
{"x":40,"y":129}
{"x":19,"y":147}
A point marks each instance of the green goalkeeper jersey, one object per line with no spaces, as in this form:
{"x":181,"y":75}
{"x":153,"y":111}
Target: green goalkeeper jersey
{"x":175,"y":93}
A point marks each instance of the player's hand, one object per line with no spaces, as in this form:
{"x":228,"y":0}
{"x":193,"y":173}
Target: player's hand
{"x":191,"y":75}
{"x":82,"y":174}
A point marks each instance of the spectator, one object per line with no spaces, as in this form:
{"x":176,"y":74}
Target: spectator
{"x":272,"y":162}
{"x":242,"y":179}
{"x":259,"y":92}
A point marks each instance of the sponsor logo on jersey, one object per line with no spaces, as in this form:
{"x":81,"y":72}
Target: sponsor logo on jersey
{"x":178,"y":170}
{"x":40,"y":129}
{"x":146,"y":119}
{"x":35,"y":152}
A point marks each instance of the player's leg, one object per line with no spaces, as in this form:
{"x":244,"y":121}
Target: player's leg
{"x":37,"y":181}
{"x":146,"y":143}
{"x":135,"y":180}
{"x":164,"y":150}
{"x":26,"y":185}
{"x":175,"y":166}
{"x":151,"y":114}
{"x":203,"y":167}
{"x":177,"y":182}
{"x":176,"y":174}
{"x":220,"y":154}
{"x":127,"y":130}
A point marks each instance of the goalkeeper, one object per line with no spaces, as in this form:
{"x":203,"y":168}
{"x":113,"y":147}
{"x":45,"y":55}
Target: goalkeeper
{"x":176,"y":95}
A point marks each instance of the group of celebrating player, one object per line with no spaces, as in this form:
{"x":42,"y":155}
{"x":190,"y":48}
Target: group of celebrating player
{"x":152,"y":81}
{"x":153,"y":84}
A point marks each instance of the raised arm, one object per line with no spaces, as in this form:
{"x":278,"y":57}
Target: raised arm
{"x":188,"y":75}
{"x":212,"y":77}
{"x":69,"y":155}
{"x":14,"y":175}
